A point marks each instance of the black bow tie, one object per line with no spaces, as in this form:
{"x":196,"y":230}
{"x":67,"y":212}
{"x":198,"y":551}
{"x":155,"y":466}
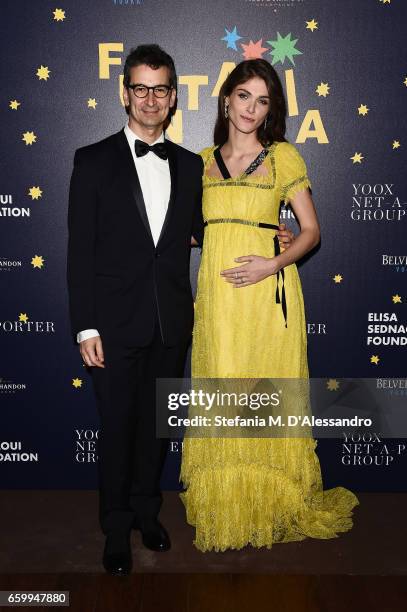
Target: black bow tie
{"x":142,"y":148}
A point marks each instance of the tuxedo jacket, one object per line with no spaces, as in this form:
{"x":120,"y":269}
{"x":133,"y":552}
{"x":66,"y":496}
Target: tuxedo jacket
{"x":119,"y":282}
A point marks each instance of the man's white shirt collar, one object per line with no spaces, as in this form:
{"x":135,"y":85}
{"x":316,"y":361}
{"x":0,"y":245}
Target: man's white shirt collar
{"x":132,"y":136}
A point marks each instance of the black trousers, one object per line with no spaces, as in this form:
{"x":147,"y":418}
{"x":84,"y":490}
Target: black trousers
{"x":131,"y":457}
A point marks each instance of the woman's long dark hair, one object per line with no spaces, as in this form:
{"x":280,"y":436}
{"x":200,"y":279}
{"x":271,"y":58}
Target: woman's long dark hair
{"x":244,"y":71}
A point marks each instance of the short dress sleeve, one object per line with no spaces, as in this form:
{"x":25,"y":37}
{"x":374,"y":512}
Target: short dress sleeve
{"x":291,"y":171}
{"x":206,"y":155}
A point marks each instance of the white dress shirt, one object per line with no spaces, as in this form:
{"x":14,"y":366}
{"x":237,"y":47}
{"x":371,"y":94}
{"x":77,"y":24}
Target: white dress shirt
{"x":155,"y":182}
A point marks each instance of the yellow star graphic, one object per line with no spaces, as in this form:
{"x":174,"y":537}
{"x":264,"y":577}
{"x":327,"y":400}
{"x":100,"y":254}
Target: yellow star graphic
{"x":59,"y":15}
{"x":405,"y":81}
{"x":14,"y":104}
{"x":385,"y":1}
{"x":23,"y":317}
{"x":92,"y":103}
{"x":396,"y":299}
{"x":37,"y":261}
{"x":322,"y":89}
{"x":77,"y":382}
{"x":43,"y":73}
{"x":29,"y":138}
{"x":357,"y":158}
{"x":363,"y":110}
{"x":35,"y":193}
{"x":332,"y":384}
{"x":337,"y":278}
{"x":375,"y":359}
{"x":396,"y":144}
{"x":312,"y":25}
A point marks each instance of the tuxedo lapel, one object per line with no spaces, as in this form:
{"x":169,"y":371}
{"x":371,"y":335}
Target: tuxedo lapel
{"x":172,"y":161}
{"x":130,"y":173}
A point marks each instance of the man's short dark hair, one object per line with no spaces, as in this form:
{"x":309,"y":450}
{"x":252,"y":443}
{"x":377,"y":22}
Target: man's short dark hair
{"x":150,"y":55}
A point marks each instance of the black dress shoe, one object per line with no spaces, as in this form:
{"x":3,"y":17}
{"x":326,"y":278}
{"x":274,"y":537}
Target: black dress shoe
{"x":117,"y":559}
{"x":154,"y":536}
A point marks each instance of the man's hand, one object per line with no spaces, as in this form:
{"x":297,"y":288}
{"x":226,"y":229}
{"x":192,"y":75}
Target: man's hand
{"x":92,"y":352}
{"x":285,"y":237}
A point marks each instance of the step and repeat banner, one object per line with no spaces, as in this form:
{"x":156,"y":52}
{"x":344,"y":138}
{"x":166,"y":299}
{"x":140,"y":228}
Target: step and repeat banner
{"x":343,"y":66}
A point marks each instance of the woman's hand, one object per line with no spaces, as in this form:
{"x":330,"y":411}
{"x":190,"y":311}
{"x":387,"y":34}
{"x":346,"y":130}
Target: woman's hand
{"x":254,"y":270}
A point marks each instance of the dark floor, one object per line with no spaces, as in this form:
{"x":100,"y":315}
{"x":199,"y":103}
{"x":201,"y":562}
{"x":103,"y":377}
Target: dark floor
{"x":218,"y":592}
{"x":57,"y":532}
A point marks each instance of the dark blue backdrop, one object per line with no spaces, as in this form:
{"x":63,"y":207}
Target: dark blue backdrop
{"x":349,"y":68}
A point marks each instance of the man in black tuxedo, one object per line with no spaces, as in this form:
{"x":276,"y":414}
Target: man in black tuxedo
{"x":135,"y":202}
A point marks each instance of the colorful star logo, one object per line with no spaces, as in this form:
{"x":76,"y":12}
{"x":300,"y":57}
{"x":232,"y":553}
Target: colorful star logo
{"x":396,"y":144}
{"x":312,"y":25}
{"x":338,"y":278}
{"x":35,"y":193}
{"x":43,"y":73}
{"x":29,"y":138}
{"x":283,"y":48}
{"x":375,"y":359}
{"x":231,"y":38}
{"x":357,"y":158}
{"x":396,"y":299}
{"x":363,"y":110}
{"x":77,"y":383}
{"x":37,"y":261}
{"x":14,"y":104}
{"x":92,"y":103}
{"x":23,"y":317}
{"x":332,"y":384}
{"x":323,"y":89}
{"x":59,"y":15}
{"x":253,"y":50}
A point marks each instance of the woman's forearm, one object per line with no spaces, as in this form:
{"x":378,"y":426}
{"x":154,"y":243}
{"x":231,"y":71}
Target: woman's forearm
{"x":304,"y":242}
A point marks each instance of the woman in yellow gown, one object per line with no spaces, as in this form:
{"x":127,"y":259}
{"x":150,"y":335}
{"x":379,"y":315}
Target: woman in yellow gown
{"x":250,"y":323}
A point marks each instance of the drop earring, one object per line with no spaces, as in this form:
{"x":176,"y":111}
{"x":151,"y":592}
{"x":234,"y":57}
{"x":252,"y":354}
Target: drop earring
{"x":265,"y":123}
{"x":226,"y":110}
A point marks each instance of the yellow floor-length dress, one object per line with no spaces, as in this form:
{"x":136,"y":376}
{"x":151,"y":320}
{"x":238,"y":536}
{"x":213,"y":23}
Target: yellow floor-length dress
{"x":254,"y":491}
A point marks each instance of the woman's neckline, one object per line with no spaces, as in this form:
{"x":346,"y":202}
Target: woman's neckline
{"x":249,"y":170}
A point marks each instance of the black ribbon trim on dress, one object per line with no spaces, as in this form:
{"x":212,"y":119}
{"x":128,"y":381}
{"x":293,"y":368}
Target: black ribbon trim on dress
{"x":283,"y":300}
{"x":221,"y":164}
{"x":277,"y":251}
